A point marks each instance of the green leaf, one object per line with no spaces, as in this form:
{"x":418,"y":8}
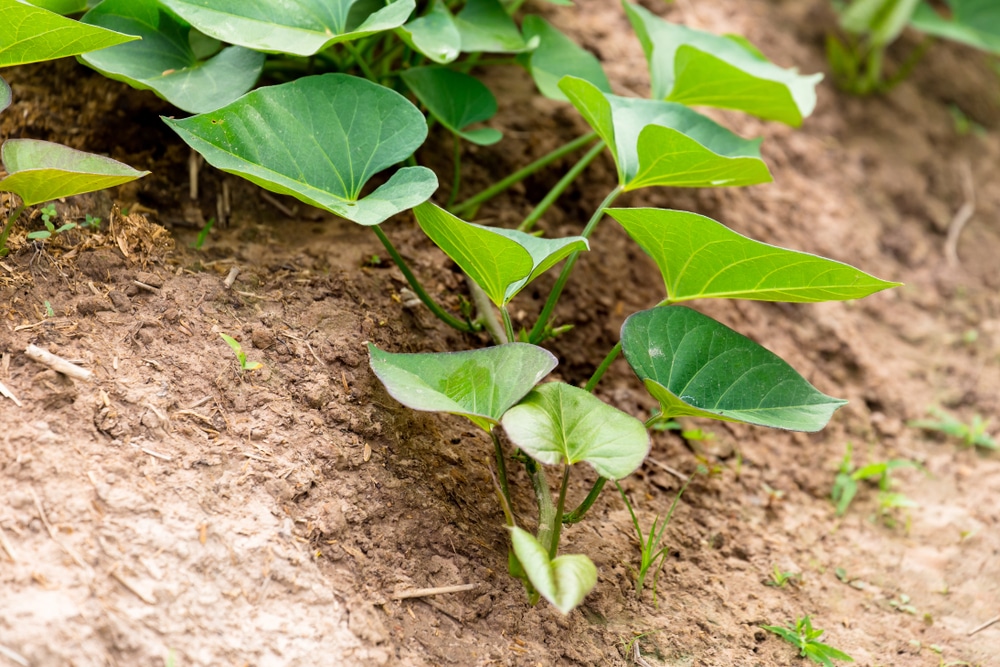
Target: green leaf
{"x":31,"y":34}
{"x":882,"y":21}
{"x":698,"y":68}
{"x":559,"y":423}
{"x":557,"y":56}
{"x":501,"y":261}
{"x":701,"y":258}
{"x":664,"y":143}
{"x":563,"y":581}
{"x":5,"y":94}
{"x":299,"y":27}
{"x":434,"y":34}
{"x":975,"y":23}
{"x":319,"y":139}
{"x":456,"y":99}
{"x":164,"y":61}
{"x":480,"y":385}
{"x":40,"y":171}
{"x":695,"y":366}
{"x":485,"y":26}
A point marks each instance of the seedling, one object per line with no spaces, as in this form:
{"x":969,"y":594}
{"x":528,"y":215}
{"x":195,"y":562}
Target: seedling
{"x":972,"y":434}
{"x":48,"y":215}
{"x":845,"y":486}
{"x":804,"y":637}
{"x":203,"y":234}
{"x":241,"y":357}
{"x":779,"y":579}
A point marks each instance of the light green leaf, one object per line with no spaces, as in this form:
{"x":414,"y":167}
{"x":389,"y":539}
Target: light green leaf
{"x":31,"y":34}
{"x":485,"y":26}
{"x":299,"y":27}
{"x":434,"y":34}
{"x":480,"y":385}
{"x":456,"y":99}
{"x":881,"y":21}
{"x":40,"y":171}
{"x":695,"y":366}
{"x":501,"y":261}
{"x":164,"y":61}
{"x":700,"y":258}
{"x":557,"y":56}
{"x":563,"y":581}
{"x":559,"y":423}
{"x":63,"y":7}
{"x":5,"y":94}
{"x":319,"y":139}
{"x":698,"y":68}
{"x":975,"y":23}
{"x":664,"y":143}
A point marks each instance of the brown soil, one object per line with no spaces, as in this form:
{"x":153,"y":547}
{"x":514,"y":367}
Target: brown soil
{"x":176,"y":511}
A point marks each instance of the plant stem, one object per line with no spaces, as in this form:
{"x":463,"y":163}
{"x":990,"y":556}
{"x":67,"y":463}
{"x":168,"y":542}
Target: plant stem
{"x":561,"y":186}
{"x":538,"y":331}
{"x":456,"y":180}
{"x":522,"y":174}
{"x":558,"y":522}
{"x":508,"y":326}
{"x":543,"y":496}
{"x":422,"y":294}
{"x":599,"y":373}
{"x":508,"y":508}
{"x":486,"y":315}
{"x":595,"y":491}
{"x":907,"y":67}
{"x":10,"y":225}
{"x":360,"y":61}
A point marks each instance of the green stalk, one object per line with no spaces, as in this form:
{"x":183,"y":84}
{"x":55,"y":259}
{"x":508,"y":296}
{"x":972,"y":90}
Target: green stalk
{"x":360,"y":61}
{"x":561,"y":186}
{"x":543,"y":496}
{"x":608,"y":360}
{"x":456,"y":180}
{"x":906,"y":68}
{"x":508,"y":508}
{"x":558,"y":522}
{"x":538,"y":331}
{"x":521,"y":174}
{"x":7,"y":227}
{"x":577,"y":514}
{"x":508,"y":326}
{"x":422,"y":294}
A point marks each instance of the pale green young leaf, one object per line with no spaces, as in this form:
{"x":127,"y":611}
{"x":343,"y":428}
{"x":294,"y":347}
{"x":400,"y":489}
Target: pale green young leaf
{"x":31,"y":34}
{"x":559,"y":423}
{"x":700,"y":258}
{"x":40,"y":171}
{"x":564,"y":581}
{"x":557,"y":56}
{"x":434,"y":34}
{"x":485,"y":27}
{"x":975,"y":23}
{"x":5,"y":94}
{"x":698,"y":367}
{"x":456,"y":99}
{"x":319,"y":139}
{"x":480,"y":385}
{"x":299,"y":27}
{"x":881,"y":21}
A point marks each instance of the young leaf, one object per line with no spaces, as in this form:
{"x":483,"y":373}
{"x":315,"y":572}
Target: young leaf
{"x":557,"y":56}
{"x":456,"y":99}
{"x":701,"y":258}
{"x":698,"y":68}
{"x":480,"y":385}
{"x":881,"y":21}
{"x":5,"y":94}
{"x":434,"y":34}
{"x":663,"y":143}
{"x":559,"y":423}
{"x":41,"y":171}
{"x":31,"y":34}
{"x":485,"y":26}
{"x":301,"y":28}
{"x":501,"y":261}
{"x":563,"y":581}
{"x":319,"y":139}
{"x":975,"y":23}
{"x":164,"y":62}
{"x":698,"y":367}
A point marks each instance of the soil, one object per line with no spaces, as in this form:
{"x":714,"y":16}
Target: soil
{"x":177,"y":511}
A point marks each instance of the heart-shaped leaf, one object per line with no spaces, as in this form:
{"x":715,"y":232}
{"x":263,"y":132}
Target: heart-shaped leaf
{"x":557,"y":56}
{"x":40,"y":171}
{"x":485,"y":26}
{"x":663,"y":143}
{"x":456,"y":99}
{"x":299,"y":27}
{"x":695,"y":366}
{"x":973,"y":22}
{"x":319,"y":139}
{"x":700,"y":258}
{"x":698,"y":68}
{"x":501,"y":261}
{"x":31,"y":34}
{"x":563,"y":581}
{"x":559,"y":423}
{"x":164,"y":61}
{"x":434,"y":34}
{"x":5,"y":94}
{"x":480,"y":385}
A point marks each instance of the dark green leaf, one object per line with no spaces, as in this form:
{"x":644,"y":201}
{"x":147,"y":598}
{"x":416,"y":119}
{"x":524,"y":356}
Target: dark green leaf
{"x":485,"y":26}
{"x":456,"y":99}
{"x":557,"y":56}
{"x":31,"y":34}
{"x":434,"y":34}
{"x":563,"y":581}
{"x":975,"y":23}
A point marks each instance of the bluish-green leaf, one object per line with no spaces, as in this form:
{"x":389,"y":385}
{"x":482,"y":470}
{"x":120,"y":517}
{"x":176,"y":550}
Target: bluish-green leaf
{"x":559,"y":423}
{"x":434,"y":34}
{"x":695,"y":366}
{"x":664,"y":143}
{"x":698,"y":68}
{"x":40,"y":171}
{"x":164,"y":62}
{"x":480,"y":385}
{"x":31,"y":34}
{"x":319,"y":139}
{"x":700,"y":258}
{"x":486,"y":27}
{"x":5,"y":94}
{"x":975,"y":23}
{"x":557,"y":56}
{"x":564,"y":581}
{"x":299,"y":27}
{"x":456,"y":99}
{"x":501,"y":261}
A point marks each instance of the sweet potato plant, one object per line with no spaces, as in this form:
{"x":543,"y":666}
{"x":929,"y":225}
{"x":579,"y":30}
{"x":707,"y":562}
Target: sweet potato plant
{"x":358,"y":83}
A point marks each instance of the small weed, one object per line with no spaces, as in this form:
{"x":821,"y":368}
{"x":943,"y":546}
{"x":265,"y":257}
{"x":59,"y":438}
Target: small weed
{"x":49,"y":312}
{"x":902,"y":603}
{"x":91,"y":221}
{"x":803,"y":636}
{"x":240,"y":355}
{"x":374,"y":261}
{"x":48,"y":215}
{"x":845,"y":486}
{"x":779,"y":579}
{"x":203,"y":234}
{"x":972,"y":434}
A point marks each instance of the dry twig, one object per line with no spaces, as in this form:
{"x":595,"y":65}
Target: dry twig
{"x":992,"y":621}
{"x":4,"y":391}
{"x":962,"y":217}
{"x":57,"y":363}
{"x":426,"y":592}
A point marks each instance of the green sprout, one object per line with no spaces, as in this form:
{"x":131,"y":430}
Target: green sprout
{"x":972,"y":434}
{"x":804,"y":637}
{"x":779,"y":578}
{"x":845,"y":486}
{"x":240,"y":355}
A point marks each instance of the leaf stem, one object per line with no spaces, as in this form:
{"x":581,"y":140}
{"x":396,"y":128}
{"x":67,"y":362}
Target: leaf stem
{"x":10,"y":225}
{"x":599,"y":373}
{"x":508,"y":508}
{"x":508,"y":326}
{"x":561,"y":186}
{"x":360,"y":61}
{"x":484,"y":308}
{"x":543,"y":496}
{"x":560,"y":505}
{"x":456,"y":180}
{"x":595,"y":491}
